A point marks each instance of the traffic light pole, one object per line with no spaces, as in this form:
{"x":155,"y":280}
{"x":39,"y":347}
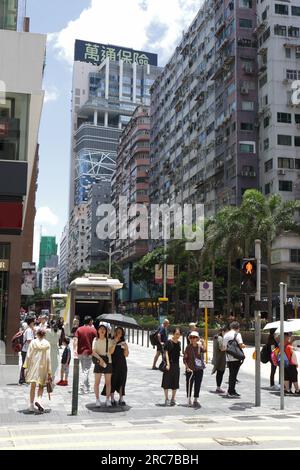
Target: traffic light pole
{"x":258,"y":325}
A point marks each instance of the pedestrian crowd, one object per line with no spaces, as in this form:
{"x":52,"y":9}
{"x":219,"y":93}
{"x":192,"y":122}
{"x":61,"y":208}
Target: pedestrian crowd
{"x":107,"y":351}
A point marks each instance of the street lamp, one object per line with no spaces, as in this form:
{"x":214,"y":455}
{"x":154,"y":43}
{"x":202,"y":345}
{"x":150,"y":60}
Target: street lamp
{"x":110,"y":255}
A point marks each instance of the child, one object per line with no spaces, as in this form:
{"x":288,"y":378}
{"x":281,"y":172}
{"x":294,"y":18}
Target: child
{"x":65,"y":362}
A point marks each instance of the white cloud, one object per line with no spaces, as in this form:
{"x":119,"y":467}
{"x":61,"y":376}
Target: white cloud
{"x":51,"y":94}
{"x":126,"y":22}
{"x":45,"y":216}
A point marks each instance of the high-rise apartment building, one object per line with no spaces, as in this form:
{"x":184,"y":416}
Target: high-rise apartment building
{"x":21,"y":101}
{"x":77,"y":243}
{"x":48,"y":248}
{"x":63,"y":260}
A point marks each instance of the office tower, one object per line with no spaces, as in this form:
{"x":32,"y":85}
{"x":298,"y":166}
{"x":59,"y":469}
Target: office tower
{"x":48,"y":247}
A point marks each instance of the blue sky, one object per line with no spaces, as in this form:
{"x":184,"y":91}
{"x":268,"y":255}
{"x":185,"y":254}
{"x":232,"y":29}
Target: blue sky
{"x":151,"y":25}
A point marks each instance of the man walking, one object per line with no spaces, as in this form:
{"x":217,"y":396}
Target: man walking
{"x":233,"y":363}
{"x":162,"y":337}
{"x":83,"y":341}
{"x":28,"y":336}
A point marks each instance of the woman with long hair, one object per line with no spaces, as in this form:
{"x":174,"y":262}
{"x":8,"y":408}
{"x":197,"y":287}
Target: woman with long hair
{"x":37,"y":367}
{"x":53,"y":335}
{"x":103,"y":348}
{"x":170,"y":380}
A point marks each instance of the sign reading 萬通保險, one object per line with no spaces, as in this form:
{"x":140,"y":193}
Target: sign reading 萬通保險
{"x":86,"y":51}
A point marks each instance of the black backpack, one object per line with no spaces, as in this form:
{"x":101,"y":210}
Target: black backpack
{"x":265,"y":354}
{"x":154,"y":337}
{"x":233,"y":348}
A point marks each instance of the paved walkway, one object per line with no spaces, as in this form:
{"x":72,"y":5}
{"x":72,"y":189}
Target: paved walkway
{"x":145,"y":409}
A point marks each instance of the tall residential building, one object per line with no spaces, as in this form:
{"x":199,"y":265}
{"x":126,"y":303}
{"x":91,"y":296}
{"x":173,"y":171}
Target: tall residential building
{"x":77,"y":243}
{"x":132,"y":181}
{"x":21,"y":101}
{"x":63,"y":260}
{"x":49,"y":279}
{"x":108,"y":83}
{"x":222,"y":115}
{"x":48,"y":247}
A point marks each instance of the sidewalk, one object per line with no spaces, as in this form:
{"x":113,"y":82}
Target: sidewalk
{"x":144,"y":396}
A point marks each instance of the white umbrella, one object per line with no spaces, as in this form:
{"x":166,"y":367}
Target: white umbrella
{"x":272,"y":326}
{"x":289,"y":327}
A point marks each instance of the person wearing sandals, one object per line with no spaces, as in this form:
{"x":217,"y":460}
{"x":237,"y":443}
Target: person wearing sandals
{"x":37,"y":367}
{"x":170,"y":380}
{"x":194,"y":363}
{"x":102,"y":349}
{"x":119,"y":368}
{"x":219,"y":358}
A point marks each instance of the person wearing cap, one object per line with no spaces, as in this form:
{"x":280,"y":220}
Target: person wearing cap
{"x":193,"y":327}
{"x":194,"y":363}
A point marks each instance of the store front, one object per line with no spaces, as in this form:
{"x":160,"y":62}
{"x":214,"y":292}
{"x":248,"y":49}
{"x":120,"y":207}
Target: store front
{"x":4,"y":275}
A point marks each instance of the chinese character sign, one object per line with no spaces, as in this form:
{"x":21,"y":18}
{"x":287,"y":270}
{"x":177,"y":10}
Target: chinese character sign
{"x":94,"y":53}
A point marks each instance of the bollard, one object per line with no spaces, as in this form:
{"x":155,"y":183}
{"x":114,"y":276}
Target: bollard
{"x":148,"y":338}
{"x":137,"y":336}
{"x":142,"y":337}
{"x":183,"y":342}
{"x":75,"y":386}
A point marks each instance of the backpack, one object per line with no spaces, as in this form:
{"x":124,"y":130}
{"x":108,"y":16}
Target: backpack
{"x":154,"y":338}
{"x":234,"y":349}
{"x":17,"y":341}
{"x":276,"y":358}
{"x":265,"y":354}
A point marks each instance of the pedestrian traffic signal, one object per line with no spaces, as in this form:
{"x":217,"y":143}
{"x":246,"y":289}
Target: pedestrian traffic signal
{"x":248,"y":276}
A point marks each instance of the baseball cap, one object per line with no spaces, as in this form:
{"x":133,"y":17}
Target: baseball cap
{"x":194,"y":333}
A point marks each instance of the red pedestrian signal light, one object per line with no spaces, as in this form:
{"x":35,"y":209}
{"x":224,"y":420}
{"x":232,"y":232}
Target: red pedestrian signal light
{"x":248,"y":276}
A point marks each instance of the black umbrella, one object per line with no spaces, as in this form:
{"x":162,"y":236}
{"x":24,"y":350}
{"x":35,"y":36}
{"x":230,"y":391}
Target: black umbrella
{"x":118,"y":319}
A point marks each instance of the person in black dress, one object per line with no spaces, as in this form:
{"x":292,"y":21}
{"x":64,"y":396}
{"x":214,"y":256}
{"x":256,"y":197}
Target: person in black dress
{"x":119,"y":366}
{"x":170,"y":380}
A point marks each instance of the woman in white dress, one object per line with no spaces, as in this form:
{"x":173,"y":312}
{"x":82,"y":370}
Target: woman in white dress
{"x":53,"y":335}
{"x":37,"y":367}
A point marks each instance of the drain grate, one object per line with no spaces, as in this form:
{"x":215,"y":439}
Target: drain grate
{"x":248,"y":418}
{"x":198,"y":421}
{"x":239,"y":441}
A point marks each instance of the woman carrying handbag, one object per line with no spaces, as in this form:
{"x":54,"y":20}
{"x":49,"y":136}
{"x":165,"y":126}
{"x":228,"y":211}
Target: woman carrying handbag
{"x":194,"y":363}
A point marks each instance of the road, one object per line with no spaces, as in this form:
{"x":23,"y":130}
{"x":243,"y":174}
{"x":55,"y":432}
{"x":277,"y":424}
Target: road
{"x":145,"y":423}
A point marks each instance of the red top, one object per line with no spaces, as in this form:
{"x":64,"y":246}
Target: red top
{"x":85,"y":335}
{"x":289,"y":353}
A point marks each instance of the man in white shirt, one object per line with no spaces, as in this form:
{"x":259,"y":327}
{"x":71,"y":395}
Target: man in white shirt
{"x":28,"y":336}
{"x":233,"y":363}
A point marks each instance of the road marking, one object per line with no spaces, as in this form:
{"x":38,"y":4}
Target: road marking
{"x":131,"y":431}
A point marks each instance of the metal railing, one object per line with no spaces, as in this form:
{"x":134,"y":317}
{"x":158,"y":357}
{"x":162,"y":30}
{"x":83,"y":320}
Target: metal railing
{"x":141,"y":337}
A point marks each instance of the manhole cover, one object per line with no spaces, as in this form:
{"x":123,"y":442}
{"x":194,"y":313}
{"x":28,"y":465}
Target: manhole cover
{"x":198,"y":421}
{"x":239,"y":441}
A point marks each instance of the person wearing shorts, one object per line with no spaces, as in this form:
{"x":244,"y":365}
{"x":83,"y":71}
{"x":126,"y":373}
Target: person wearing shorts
{"x":102,"y":349}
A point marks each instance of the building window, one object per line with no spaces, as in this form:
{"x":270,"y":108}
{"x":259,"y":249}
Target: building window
{"x":266,"y":121}
{"x":267,"y":188}
{"x":291,"y":74}
{"x":13,"y":126}
{"x":284,"y":139}
{"x":285,"y":186}
{"x":269,"y":165}
{"x":247,"y":105}
{"x":284,"y":117}
{"x":295,"y":11}
{"x":245,"y":3}
{"x":263,"y":80}
{"x":285,"y":163}
{"x":266,"y":144}
{"x":246,"y":147}
{"x":245,"y":23}
{"x":281,"y":9}
{"x":294,"y":32}
{"x":294,"y":281}
{"x":279,"y":30}
{"x":295,"y":256}
{"x":297,"y":163}
{"x":247,"y":126}
{"x":288,"y":52}
{"x":297,"y":118}
{"x":297,"y":141}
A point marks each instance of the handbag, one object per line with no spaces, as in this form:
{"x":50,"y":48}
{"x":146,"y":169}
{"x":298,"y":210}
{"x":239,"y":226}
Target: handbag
{"x":104,"y":358}
{"x":163,"y":366}
{"x":234,"y":350}
{"x":199,"y":362}
{"x":50,"y":387}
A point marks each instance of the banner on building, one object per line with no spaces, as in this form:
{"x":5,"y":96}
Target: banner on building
{"x":170,"y":274}
{"x":28,"y":278}
{"x":94,"y":53}
{"x":158,"y":274}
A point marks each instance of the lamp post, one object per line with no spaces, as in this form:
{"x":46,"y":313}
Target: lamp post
{"x":110,"y":255}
